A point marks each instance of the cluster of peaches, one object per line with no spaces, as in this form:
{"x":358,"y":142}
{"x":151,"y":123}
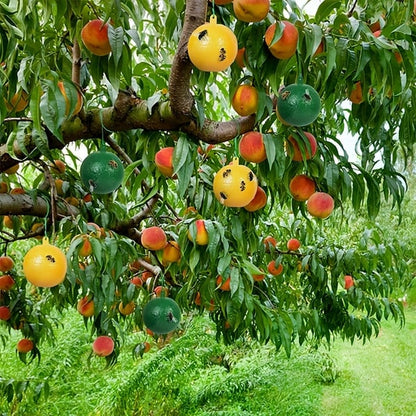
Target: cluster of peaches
{"x":7,"y":283}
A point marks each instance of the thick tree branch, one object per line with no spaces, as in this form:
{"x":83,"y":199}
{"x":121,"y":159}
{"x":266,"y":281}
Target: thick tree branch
{"x":182,"y":101}
{"x":24,"y":204}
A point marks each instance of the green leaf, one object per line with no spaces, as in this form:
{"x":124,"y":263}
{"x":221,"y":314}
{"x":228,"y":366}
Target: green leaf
{"x":325,"y":9}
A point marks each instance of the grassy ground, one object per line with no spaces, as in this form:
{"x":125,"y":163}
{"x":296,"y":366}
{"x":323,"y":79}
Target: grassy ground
{"x":377,"y":378}
{"x":196,"y":376}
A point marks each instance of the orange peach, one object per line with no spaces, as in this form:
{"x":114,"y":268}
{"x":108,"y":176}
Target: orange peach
{"x":240,"y":58}
{"x":269,"y":243}
{"x":201,"y":237}
{"x":18,"y":102}
{"x":6,"y":263}
{"x":6,"y":282}
{"x":320,"y":205}
{"x":164,"y":161}
{"x":171,"y":253}
{"x":320,"y":49}
{"x":78,"y":105}
{"x":252,"y":148}
{"x":285,"y":47}
{"x":301,"y":187}
{"x":245,"y":100}
{"x":356,"y":94}
{"x":25,"y":345}
{"x":293,"y":244}
{"x":348,"y":281}
{"x":58,"y":167}
{"x":103,"y":346}
{"x":274,"y":269}
{"x":137,"y":281}
{"x":86,"y":306}
{"x":126,"y":309}
{"x":159,"y":289}
{"x":86,"y":247}
{"x":251,"y":10}
{"x":5,"y":313}
{"x":94,"y":35}
{"x":258,"y":202}
{"x":294,"y":149}
{"x":153,"y":238}
{"x":258,"y":277}
{"x":59,"y":186}
{"x":224,"y":285}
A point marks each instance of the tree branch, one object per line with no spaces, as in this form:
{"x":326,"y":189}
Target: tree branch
{"x":181,"y":99}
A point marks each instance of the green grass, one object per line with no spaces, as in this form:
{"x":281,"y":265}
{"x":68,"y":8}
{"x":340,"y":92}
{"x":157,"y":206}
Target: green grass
{"x":377,"y":378}
{"x":196,"y":376}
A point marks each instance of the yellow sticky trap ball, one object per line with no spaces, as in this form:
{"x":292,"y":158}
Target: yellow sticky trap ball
{"x":212,"y":47}
{"x":235,"y":185}
{"x":45,"y":265}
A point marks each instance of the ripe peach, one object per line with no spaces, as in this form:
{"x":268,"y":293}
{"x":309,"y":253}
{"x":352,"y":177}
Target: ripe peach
{"x":164,"y":161}
{"x":59,"y":186}
{"x":137,"y":281}
{"x":294,"y":148}
{"x":25,"y":345}
{"x":258,"y":277}
{"x":251,"y":10}
{"x":103,"y":346}
{"x":78,"y":105}
{"x":293,"y":244}
{"x":86,"y":306}
{"x":201,"y":233}
{"x":6,"y":263}
{"x":285,"y":47}
{"x":198,"y":299}
{"x":159,"y":289}
{"x":58,"y":167}
{"x":274,"y":269}
{"x":6,"y":282}
{"x":17,"y":191}
{"x":356,"y":94}
{"x":18,"y":102}
{"x":37,"y":228}
{"x":224,"y":285}
{"x":269,"y":243}
{"x":245,"y":100}
{"x":8,"y":221}
{"x":94,"y":35}
{"x":86,"y":247}
{"x":171,"y":253}
{"x":320,"y":205}
{"x":5,"y":313}
{"x":72,"y":201}
{"x":301,"y":187}
{"x":348,"y":281}
{"x":126,"y":309}
{"x":258,"y":202}
{"x":239,"y":59}
{"x":153,"y":238}
{"x":252,"y":148}
{"x":320,"y":49}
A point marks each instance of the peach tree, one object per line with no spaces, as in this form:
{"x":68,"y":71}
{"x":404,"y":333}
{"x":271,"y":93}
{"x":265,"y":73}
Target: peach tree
{"x":261,"y":112}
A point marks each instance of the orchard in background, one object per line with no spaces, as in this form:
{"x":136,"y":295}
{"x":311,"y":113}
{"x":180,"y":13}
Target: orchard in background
{"x":111,"y":137}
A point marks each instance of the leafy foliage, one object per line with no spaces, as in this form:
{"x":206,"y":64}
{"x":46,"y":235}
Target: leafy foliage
{"x":129,"y":99}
